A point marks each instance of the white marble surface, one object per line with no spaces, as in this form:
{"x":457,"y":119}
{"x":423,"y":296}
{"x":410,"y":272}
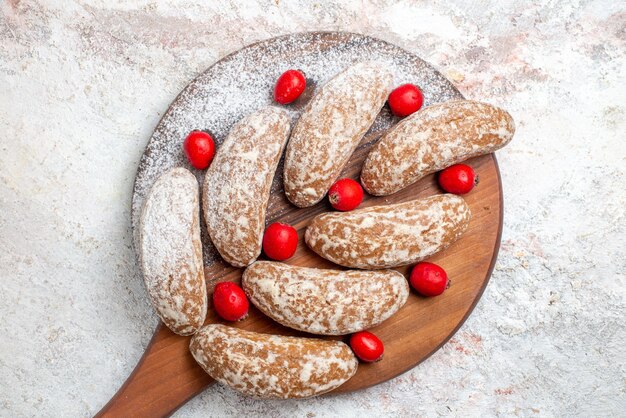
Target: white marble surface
{"x":83,"y":84}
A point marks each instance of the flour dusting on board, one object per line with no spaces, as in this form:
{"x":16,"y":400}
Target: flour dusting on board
{"x":243,"y":82}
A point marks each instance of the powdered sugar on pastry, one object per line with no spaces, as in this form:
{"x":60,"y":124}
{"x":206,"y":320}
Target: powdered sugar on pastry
{"x":432,"y":139}
{"x":171,"y":252}
{"x":327,"y":302}
{"x":237,"y":184}
{"x":389,"y":236}
{"x":272,"y":366}
{"x":330,"y":128}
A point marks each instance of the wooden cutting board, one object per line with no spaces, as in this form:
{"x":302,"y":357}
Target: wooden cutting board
{"x":167,"y":375}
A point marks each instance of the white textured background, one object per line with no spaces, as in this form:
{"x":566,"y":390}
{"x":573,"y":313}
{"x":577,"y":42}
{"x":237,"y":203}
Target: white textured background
{"x":83,"y":85}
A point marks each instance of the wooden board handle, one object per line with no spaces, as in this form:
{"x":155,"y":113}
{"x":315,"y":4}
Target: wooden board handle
{"x":162,"y":381}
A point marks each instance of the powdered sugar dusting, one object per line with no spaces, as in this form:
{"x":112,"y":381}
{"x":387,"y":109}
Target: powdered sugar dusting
{"x":326,"y":302}
{"x":171,"y":253}
{"x":243,"y":82}
{"x":272,"y":366}
{"x":330,"y":128}
{"x":432,"y":139}
{"x":237,"y":185}
{"x":389,"y":236}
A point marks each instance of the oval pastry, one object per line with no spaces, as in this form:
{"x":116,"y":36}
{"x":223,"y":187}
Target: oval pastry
{"x":237,"y":184}
{"x":330,"y":128}
{"x":171,"y":252}
{"x":272,"y":366}
{"x":389,"y":236}
{"x":326,"y":302}
{"x":432,"y":139}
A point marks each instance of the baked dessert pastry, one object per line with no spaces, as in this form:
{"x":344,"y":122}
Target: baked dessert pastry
{"x":330,"y":128}
{"x":237,"y":184}
{"x":171,"y":252}
{"x":432,"y":139}
{"x":391,"y":235}
{"x":272,"y":366}
{"x":321,"y":301}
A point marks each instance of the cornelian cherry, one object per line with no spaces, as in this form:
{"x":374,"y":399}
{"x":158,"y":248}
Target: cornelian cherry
{"x":230,"y":301}
{"x":289,"y":86}
{"x":428,"y":279}
{"x":199,"y":149}
{"x":458,"y":179}
{"x":280,"y":241}
{"x":345,"y":194}
{"x":406,"y":99}
{"x":367,"y":346}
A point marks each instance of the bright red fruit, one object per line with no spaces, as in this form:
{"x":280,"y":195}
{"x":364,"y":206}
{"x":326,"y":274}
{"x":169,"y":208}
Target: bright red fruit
{"x":428,"y":279}
{"x":280,"y":241}
{"x":289,"y":86}
{"x":230,"y":301}
{"x":458,"y":179}
{"x":345,"y":194}
{"x":406,"y":99}
{"x":367,"y":346}
{"x":199,"y":149}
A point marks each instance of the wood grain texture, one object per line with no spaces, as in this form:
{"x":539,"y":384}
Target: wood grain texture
{"x":167,"y":376}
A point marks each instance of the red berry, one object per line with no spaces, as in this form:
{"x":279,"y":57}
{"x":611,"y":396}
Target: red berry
{"x":199,"y":149}
{"x":367,"y":346}
{"x":280,"y":241}
{"x":458,"y":179}
{"x":230,"y":301}
{"x":428,"y":279}
{"x":289,"y":86}
{"x":406,"y":99}
{"x":345,"y":194}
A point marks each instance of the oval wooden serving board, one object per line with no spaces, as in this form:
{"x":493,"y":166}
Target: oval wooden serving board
{"x":167,"y":376}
